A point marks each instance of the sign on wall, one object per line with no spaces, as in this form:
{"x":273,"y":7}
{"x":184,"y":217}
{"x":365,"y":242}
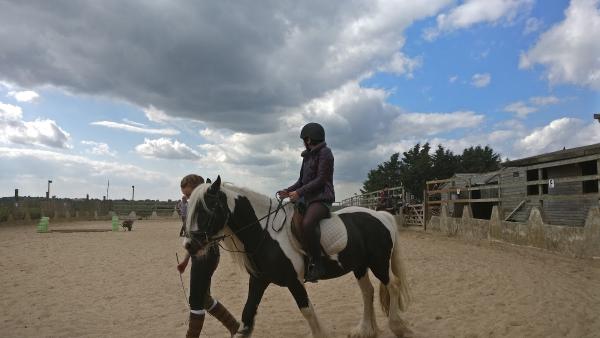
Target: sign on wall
{"x":551,"y":183}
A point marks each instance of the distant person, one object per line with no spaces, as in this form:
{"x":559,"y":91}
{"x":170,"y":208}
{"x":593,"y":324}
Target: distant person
{"x":383,"y":196}
{"x":383,"y":200}
{"x":200,"y":278}
{"x":182,"y":211}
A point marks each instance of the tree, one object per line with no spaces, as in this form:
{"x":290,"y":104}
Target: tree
{"x":479,"y":160}
{"x":417,"y":166}
{"x":415,"y":169}
{"x":386,"y":173}
{"x":445,"y":163}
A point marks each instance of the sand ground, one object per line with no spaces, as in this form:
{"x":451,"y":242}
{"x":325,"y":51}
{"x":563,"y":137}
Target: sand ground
{"x":124,"y":284}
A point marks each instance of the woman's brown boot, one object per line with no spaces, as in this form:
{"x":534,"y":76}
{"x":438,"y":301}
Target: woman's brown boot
{"x":195,"y":325}
{"x":225,"y":317}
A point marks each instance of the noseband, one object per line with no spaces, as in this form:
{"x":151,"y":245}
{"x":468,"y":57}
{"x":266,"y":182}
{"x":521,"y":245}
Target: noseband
{"x":193,"y":235}
{"x":214,"y":240}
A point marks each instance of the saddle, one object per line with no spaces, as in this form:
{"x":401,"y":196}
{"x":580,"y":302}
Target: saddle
{"x":334,"y":236}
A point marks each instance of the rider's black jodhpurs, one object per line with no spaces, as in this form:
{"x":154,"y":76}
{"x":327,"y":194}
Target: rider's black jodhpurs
{"x":311,"y":232}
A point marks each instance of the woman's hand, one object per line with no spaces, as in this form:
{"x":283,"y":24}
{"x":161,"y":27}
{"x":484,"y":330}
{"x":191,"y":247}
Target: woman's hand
{"x":283,"y":194}
{"x":181,"y":266}
{"x":294,"y":196}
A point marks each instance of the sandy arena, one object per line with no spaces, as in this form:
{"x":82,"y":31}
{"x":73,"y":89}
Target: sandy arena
{"x":124,"y":284}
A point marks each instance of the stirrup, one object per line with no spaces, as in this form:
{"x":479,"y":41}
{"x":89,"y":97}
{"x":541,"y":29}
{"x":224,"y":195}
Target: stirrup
{"x":314,"y":272}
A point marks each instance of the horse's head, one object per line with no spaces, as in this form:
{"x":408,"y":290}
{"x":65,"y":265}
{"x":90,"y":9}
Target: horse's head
{"x":207,"y":218}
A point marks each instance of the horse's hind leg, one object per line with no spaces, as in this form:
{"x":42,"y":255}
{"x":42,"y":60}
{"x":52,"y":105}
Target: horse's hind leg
{"x":397,"y":324}
{"x":367,"y":327}
{"x":256,"y":289}
{"x":393,"y":292}
{"x":301,"y":297}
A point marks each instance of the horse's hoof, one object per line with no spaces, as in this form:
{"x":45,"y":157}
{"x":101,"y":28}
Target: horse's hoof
{"x":363,"y":331}
{"x":244,"y":332}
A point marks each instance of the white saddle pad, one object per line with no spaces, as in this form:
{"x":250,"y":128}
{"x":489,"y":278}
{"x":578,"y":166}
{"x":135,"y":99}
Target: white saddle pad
{"x":334,"y":236}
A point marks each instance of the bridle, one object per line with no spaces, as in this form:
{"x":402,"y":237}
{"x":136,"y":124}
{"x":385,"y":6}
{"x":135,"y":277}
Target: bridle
{"x":211,"y":241}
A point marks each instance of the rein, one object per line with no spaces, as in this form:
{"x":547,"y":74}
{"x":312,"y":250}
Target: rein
{"x":218,"y":239}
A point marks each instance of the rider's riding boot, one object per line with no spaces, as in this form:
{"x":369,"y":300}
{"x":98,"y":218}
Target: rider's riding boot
{"x":315,"y":268}
{"x":195,"y":325}
{"x":225,"y":317}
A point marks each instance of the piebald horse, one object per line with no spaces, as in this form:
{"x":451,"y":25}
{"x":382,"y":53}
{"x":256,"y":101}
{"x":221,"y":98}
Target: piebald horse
{"x":365,"y":240}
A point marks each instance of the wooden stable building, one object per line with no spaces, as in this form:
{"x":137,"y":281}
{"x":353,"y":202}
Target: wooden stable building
{"x":562,"y":184}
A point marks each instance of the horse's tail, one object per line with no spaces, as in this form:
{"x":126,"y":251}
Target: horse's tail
{"x":397,"y":280}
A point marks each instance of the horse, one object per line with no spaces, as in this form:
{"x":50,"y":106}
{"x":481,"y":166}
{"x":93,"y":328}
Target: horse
{"x":268,"y":251}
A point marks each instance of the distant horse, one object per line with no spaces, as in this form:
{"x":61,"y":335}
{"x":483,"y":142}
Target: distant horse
{"x":354,"y":239}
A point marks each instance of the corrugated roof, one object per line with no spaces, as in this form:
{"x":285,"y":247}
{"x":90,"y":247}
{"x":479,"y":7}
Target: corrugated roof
{"x":474,"y":179}
{"x":555,"y":156}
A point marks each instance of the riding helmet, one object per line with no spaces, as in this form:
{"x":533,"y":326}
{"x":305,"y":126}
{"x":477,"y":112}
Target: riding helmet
{"x":314,"y":131}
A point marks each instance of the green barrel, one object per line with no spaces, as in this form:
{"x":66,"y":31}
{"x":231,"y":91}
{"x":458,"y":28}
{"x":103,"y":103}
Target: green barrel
{"x":115,"y":223}
{"x":43,"y":225}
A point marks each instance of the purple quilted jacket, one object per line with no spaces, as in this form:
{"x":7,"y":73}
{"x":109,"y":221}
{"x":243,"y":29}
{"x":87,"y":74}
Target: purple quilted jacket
{"x":316,"y":175}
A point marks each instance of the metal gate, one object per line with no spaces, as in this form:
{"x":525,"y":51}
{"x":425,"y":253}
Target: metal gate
{"x":414,"y":215}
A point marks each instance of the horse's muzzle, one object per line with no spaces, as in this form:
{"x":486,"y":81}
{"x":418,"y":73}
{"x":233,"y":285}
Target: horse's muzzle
{"x":195,"y":245}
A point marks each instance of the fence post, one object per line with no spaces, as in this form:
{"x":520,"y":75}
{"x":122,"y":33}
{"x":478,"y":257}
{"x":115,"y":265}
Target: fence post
{"x":425,"y":208}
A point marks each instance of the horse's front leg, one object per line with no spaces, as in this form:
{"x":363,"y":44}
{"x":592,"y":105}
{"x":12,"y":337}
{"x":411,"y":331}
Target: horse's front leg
{"x":256,"y":289}
{"x":301,"y":297}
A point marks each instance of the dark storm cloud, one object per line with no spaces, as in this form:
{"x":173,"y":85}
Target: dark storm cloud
{"x":234,"y":64}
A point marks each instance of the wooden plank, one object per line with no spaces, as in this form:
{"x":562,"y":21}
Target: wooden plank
{"x":465,"y":201}
{"x":568,"y":197}
{"x":565,"y":162}
{"x":566,"y":179}
{"x":440,"y":181}
{"x":483,"y":187}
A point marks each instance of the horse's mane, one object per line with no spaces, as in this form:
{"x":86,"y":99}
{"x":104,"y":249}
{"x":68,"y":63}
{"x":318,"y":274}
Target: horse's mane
{"x":195,"y":197}
{"x":233,"y":245}
{"x":247,"y":192}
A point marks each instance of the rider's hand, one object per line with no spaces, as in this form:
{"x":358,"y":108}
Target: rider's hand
{"x":293,"y":196}
{"x":283,"y":194}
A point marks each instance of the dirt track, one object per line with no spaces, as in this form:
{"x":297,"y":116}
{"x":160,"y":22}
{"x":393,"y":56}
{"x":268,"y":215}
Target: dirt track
{"x":125,"y":285}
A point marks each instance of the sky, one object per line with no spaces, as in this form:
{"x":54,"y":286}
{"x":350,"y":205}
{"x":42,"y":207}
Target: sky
{"x":141,"y":93}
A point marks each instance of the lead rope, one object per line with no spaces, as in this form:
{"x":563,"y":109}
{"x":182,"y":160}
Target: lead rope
{"x":182,"y":286}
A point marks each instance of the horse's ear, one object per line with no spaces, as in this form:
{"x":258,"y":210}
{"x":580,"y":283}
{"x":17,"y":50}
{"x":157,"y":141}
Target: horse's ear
{"x":216,"y":185}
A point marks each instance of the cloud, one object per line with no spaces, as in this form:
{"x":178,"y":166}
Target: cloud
{"x":136,"y":129}
{"x":357,"y":121}
{"x":166,"y":148}
{"x":522,"y":109}
{"x":232,"y":65}
{"x":24,"y":96}
{"x":544,"y":100}
{"x":435,"y":123}
{"x":156,"y":115}
{"x":138,"y":124}
{"x":481,"y":80}
{"x":43,"y":132}
{"x":9,"y":112}
{"x":532,"y":25}
{"x":564,"y":132}
{"x":453,"y":79}
{"x":98,"y":148}
{"x":403,"y":65}
{"x":472,"y":12}
{"x":569,"y":50}
{"x":67,"y":171}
